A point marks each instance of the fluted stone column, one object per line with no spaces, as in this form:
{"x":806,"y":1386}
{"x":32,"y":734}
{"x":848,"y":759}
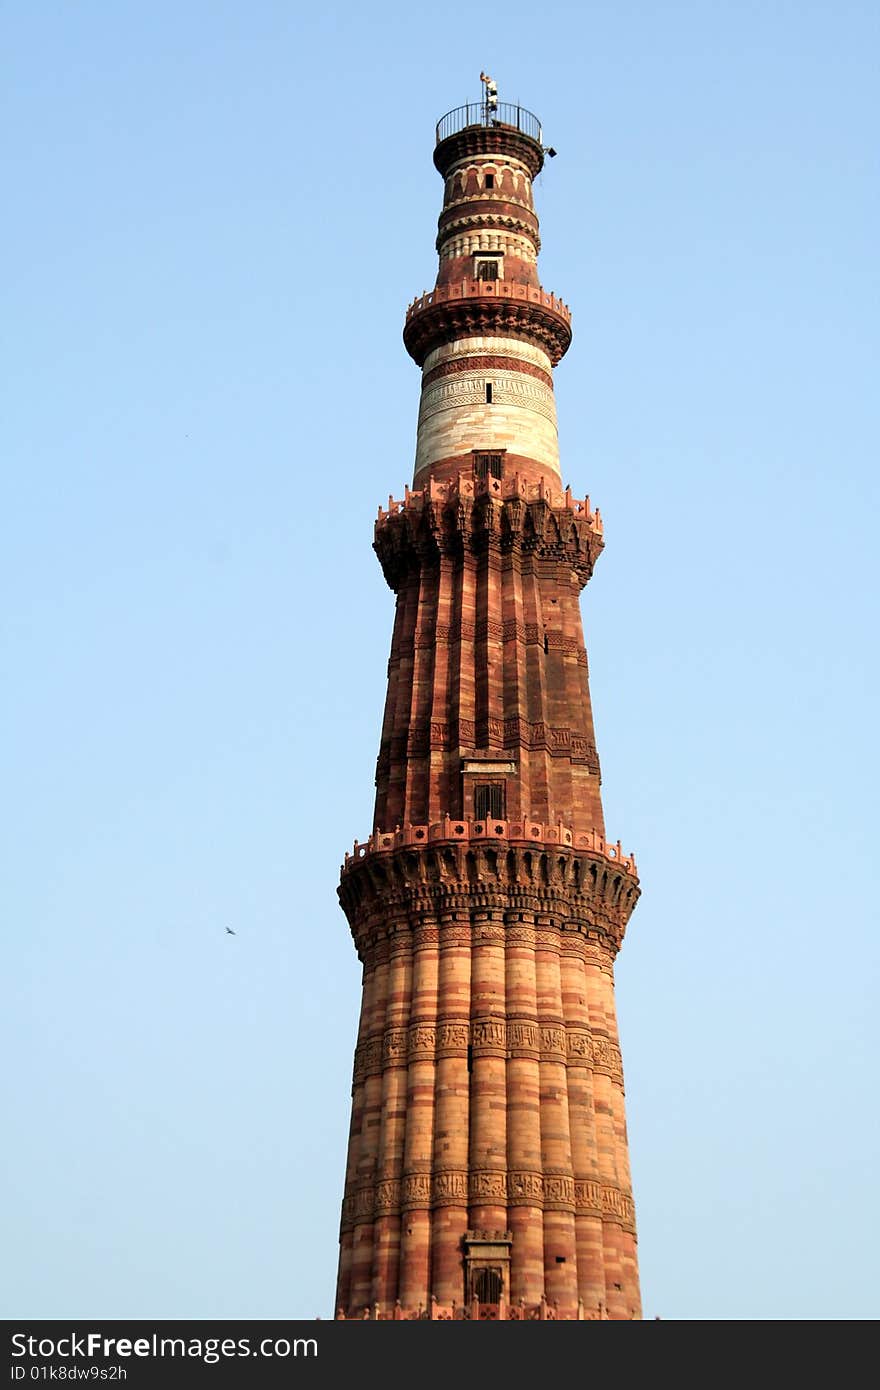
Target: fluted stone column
{"x":588,"y":1206}
{"x":451,"y":1114}
{"x":524,"y":1162}
{"x":560,"y":1252}
{"x":358,"y":1090}
{"x":627,"y":1301}
{"x":488,"y":1110}
{"x":386,"y":1233}
{"x":616,"y":1198}
{"x":368,"y":1146}
{"x":415,"y":1245}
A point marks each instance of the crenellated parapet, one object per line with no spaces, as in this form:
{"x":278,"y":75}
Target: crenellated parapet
{"x":462,"y":831}
{"x":467,"y":512}
{"x":490,"y":289}
{"x":500,"y":308}
{"x":465,"y":485}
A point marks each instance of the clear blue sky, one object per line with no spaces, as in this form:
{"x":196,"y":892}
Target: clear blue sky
{"x":215,"y":215}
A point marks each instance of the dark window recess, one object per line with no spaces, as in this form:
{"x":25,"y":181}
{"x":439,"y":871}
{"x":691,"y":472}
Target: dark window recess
{"x":488,"y":393}
{"x":470,"y":1058}
{"x":487,"y":270}
{"x":488,"y":465}
{"x":489,"y":801}
{"x":487,"y":1285}
{"x":490,"y":181}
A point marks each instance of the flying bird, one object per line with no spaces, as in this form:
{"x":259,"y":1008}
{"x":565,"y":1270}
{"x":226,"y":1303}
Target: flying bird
{"x":230,"y":932}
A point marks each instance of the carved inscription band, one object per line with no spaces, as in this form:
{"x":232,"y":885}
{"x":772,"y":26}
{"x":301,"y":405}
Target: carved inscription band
{"x":491,"y":1037}
{"x":469,"y":389}
{"x":516,"y":932}
{"x":547,"y":1192}
{"x":486,"y":362}
{"x":525,"y":633}
{"x":506,"y":733}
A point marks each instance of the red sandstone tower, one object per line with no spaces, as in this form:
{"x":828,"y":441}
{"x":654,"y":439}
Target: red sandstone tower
{"x":488,"y":1173}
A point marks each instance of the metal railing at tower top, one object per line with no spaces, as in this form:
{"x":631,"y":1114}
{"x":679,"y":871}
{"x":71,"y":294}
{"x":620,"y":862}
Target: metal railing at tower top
{"x":505,"y":115}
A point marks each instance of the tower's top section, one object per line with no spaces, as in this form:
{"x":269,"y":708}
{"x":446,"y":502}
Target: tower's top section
{"x":488,"y":153}
{"x":489,"y":127}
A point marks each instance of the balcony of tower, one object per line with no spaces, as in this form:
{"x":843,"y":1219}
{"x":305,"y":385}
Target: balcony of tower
{"x":449,"y":516}
{"x":487,"y":348}
{"x":580,"y":881}
{"x":498,"y":307}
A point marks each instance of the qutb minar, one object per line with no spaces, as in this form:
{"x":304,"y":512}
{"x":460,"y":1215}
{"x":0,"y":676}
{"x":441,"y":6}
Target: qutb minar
{"x":488,"y":1172}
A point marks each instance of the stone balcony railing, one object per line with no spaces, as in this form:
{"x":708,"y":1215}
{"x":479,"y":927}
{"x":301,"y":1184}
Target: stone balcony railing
{"x":479,"y":307}
{"x":465,"y":485}
{"x":488,"y":289}
{"x":463,"y":830}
